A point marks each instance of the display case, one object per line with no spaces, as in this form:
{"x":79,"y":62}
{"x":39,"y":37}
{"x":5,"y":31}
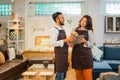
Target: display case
{"x":112,"y":24}
{"x":16,"y":34}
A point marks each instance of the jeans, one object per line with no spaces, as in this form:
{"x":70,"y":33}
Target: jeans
{"x":60,"y":76}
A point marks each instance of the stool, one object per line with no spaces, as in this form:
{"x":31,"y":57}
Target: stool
{"x":27,"y":74}
{"x":44,"y":75}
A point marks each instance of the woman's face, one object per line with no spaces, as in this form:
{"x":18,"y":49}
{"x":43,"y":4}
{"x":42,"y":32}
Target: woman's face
{"x":83,"y":22}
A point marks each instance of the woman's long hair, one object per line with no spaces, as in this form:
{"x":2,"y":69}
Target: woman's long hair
{"x":88,"y":23}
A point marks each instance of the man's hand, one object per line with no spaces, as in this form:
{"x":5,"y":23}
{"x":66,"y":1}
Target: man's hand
{"x":69,"y":39}
{"x":74,"y":34}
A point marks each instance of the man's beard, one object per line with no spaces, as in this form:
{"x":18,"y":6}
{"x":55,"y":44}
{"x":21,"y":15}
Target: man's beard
{"x":61,"y":23}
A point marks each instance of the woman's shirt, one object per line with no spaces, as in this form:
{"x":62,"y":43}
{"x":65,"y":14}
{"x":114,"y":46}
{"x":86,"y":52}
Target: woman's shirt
{"x":90,"y":39}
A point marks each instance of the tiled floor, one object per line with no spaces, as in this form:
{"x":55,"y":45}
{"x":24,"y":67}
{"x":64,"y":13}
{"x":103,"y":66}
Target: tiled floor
{"x":70,"y":74}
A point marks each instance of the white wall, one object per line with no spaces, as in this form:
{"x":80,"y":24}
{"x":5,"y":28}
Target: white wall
{"x":109,"y":36}
{"x":40,"y":25}
{"x":98,"y":20}
{"x":4,"y":20}
{"x":96,"y":8}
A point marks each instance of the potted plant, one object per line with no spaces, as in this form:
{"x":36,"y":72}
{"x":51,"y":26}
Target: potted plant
{"x":45,"y":63}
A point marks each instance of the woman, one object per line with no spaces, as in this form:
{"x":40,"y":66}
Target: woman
{"x":82,"y":59}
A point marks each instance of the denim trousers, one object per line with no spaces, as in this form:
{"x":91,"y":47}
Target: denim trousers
{"x":60,"y":76}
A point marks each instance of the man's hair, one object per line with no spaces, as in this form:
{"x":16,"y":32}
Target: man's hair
{"x":55,"y":15}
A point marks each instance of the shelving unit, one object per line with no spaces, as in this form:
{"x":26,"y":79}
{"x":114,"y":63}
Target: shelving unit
{"x":16,"y":34}
{"x":112,"y":24}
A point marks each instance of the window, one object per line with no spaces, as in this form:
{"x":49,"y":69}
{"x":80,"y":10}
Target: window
{"x":5,"y":9}
{"x":50,"y":8}
{"x":113,"y":8}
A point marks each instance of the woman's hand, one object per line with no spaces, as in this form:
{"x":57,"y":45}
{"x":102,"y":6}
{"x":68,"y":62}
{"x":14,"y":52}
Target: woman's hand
{"x":82,"y":40}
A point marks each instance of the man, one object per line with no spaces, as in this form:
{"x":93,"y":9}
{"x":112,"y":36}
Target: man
{"x":59,"y":41}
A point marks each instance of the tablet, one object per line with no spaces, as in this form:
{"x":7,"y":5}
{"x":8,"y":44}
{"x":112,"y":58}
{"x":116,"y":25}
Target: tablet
{"x":77,"y":39}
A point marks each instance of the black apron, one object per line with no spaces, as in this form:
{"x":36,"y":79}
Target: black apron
{"x":61,"y":54}
{"x":82,"y":56}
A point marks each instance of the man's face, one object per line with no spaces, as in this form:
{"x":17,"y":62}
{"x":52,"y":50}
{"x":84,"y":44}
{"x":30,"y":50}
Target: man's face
{"x":61,"y":19}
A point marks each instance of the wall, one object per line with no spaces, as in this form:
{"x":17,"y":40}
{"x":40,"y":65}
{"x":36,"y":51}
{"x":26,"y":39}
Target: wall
{"x":40,"y":25}
{"x":3,"y":21}
{"x":95,"y":8}
{"x":94,"y":11}
{"x":88,"y":8}
{"x":34,"y":25}
{"x":108,"y":36}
